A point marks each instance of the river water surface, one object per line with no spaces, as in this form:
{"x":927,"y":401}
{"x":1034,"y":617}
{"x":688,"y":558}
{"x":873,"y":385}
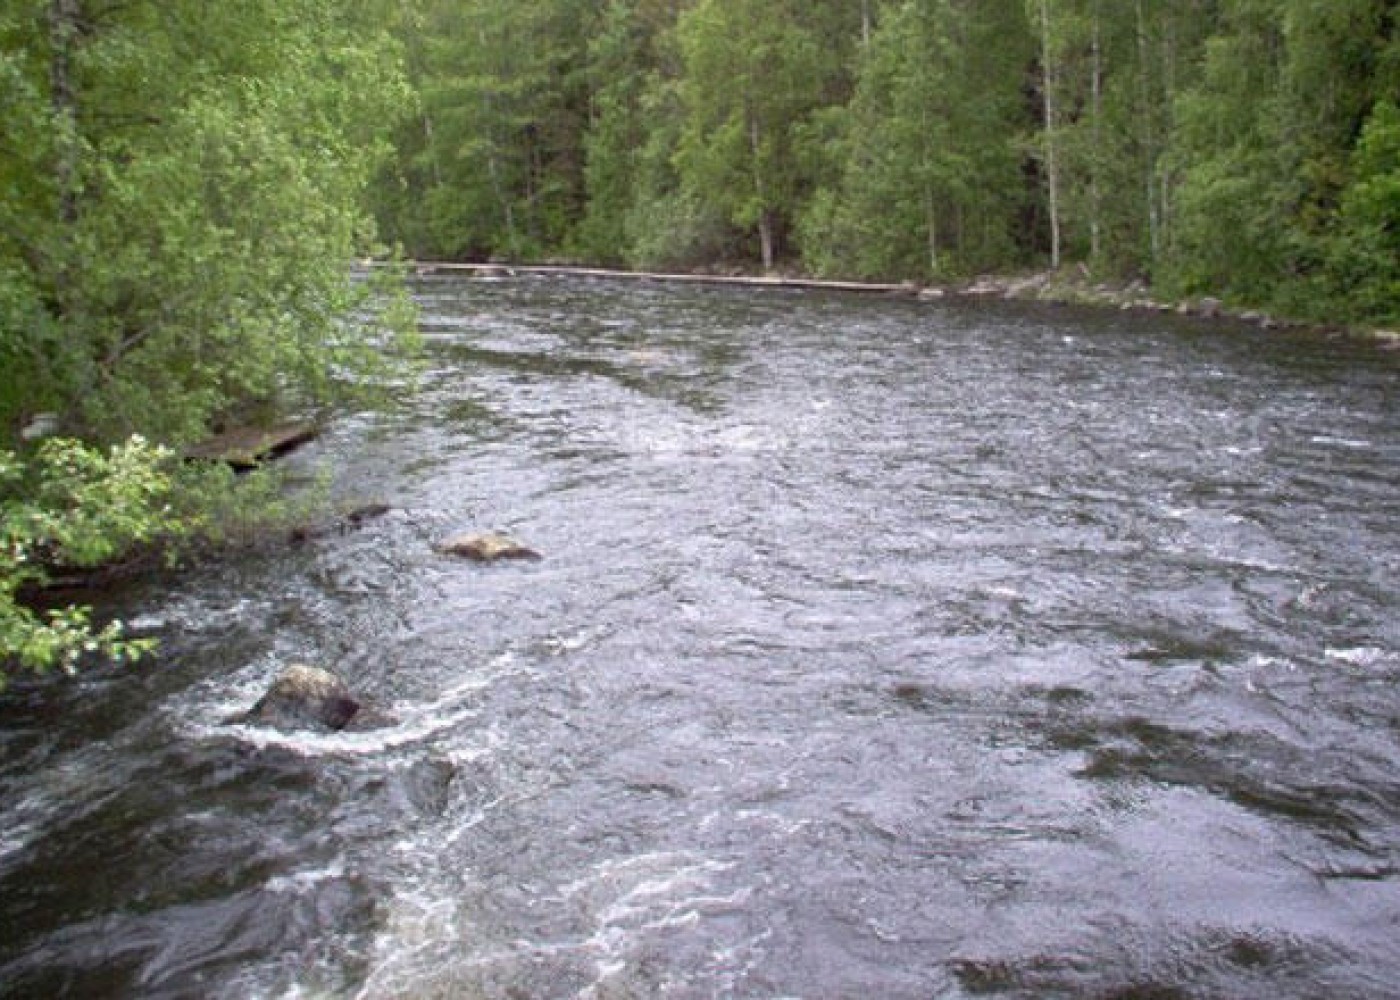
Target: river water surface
{"x":880,"y":649}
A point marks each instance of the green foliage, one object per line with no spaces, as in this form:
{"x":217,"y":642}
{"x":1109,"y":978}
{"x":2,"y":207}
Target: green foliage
{"x":178,"y":229}
{"x":750,"y":75}
{"x":181,"y":197}
{"x":928,"y":179}
{"x":71,"y":506}
{"x":1210,"y":145}
{"x":1273,"y":205}
{"x":667,"y":225}
{"x":216,"y":506}
{"x":492,"y":163}
{"x":1365,"y":253}
{"x":74,"y":505}
{"x":620,"y":63}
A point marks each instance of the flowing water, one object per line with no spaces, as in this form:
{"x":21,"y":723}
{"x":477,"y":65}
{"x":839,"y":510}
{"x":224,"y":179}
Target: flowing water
{"x":880,"y":649}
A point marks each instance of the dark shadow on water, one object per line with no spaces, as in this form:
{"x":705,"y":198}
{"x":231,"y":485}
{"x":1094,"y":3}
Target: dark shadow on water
{"x":1253,"y":770}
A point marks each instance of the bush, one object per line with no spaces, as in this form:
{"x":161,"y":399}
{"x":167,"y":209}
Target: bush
{"x":1365,"y":256}
{"x":72,"y":504}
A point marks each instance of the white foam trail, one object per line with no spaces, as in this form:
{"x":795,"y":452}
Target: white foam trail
{"x":298,"y":881}
{"x":420,"y":935}
{"x":1354,"y":444}
{"x":626,"y":900}
{"x":417,"y":722}
{"x":1360,"y":656}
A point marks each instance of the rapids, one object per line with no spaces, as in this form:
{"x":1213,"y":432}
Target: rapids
{"x":879,"y":649}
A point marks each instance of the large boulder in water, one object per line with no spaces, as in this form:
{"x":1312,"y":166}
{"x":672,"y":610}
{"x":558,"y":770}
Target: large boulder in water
{"x":487,"y":546}
{"x":305,"y":697}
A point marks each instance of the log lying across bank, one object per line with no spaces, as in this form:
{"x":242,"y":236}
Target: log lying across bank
{"x":508,"y":270}
{"x":1041,"y":286}
{"x":245,"y":447}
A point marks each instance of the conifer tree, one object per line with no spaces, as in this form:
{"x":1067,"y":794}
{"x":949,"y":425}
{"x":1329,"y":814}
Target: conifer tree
{"x":751,"y":76}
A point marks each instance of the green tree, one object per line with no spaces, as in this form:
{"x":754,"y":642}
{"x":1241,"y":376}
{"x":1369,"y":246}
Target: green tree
{"x":1050,"y":33}
{"x":181,"y":213}
{"x":181,"y":197}
{"x":1143,"y":55}
{"x":751,"y":77}
{"x":493,"y":163}
{"x":78,"y":506}
{"x":1239,"y":174}
{"x":1365,"y":253}
{"x":929,"y":181}
{"x":1264,"y":145}
{"x":623,"y":61}
{"x":669,"y":224}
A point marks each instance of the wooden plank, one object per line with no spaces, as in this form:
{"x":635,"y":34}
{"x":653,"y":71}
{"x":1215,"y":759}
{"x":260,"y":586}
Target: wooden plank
{"x":245,"y":447}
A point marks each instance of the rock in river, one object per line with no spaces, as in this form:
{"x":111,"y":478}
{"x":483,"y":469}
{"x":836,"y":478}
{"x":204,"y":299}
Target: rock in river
{"x":486,"y":547}
{"x":305,"y":697}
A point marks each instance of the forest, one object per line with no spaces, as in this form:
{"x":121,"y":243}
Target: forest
{"x":186,"y":185}
{"x":1248,"y":149}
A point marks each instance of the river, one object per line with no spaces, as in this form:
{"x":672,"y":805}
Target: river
{"x":879,"y":649}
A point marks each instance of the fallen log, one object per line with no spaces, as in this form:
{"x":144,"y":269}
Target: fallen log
{"x":247,"y":447}
{"x":749,"y":281}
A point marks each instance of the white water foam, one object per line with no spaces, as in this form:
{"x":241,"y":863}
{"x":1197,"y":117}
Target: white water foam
{"x":1354,"y":444}
{"x":297,"y":882}
{"x":1361,"y":656}
{"x":417,"y":722}
{"x":420,"y":950}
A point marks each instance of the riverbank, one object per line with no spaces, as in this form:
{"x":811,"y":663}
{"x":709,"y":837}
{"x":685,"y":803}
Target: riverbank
{"x":1137,"y":297}
{"x":1062,"y":288}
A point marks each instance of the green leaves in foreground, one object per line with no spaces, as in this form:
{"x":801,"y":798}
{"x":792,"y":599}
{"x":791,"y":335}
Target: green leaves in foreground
{"x":74,"y":505}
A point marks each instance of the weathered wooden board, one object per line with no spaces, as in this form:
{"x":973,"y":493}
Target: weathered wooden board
{"x":245,"y":447}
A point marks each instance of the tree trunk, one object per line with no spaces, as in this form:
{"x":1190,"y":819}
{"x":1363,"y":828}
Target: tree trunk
{"x":65,"y":18}
{"x":1052,"y":162}
{"x":493,"y":171}
{"x":765,"y":239}
{"x":931,"y":226}
{"x":1095,"y":167}
{"x":1149,"y":138}
{"x":504,"y":196}
{"x":765,"y":214}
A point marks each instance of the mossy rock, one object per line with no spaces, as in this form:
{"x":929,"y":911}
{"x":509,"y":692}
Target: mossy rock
{"x":487,"y":546}
{"x":310,"y":698}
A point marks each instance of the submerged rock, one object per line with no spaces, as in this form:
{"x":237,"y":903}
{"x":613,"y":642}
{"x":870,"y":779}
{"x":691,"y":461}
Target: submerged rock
{"x":487,"y":546}
{"x":428,"y":784}
{"x":350,"y":521}
{"x":304,"y":697}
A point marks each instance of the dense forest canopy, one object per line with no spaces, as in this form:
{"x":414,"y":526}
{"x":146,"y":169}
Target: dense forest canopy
{"x":182,"y":190}
{"x":1242,"y":148}
{"x":183,"y":184}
